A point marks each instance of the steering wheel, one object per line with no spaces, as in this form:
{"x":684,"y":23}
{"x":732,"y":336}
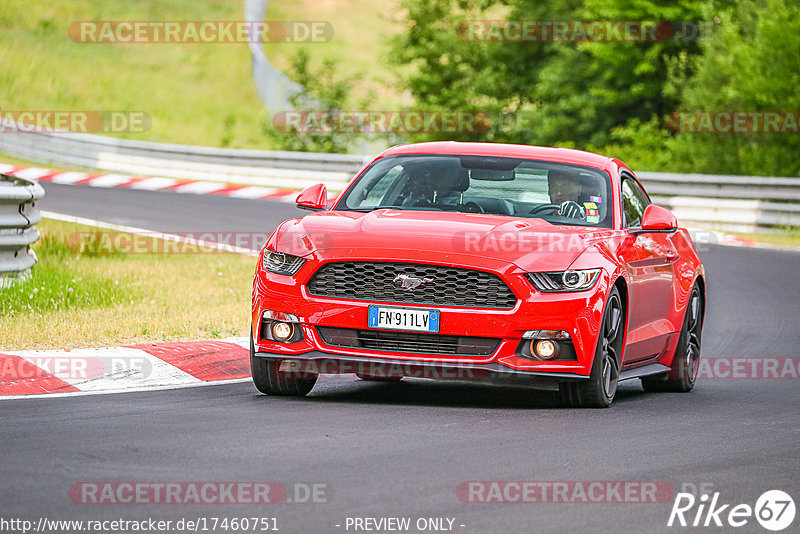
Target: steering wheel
{"x":470,"y":207}
{"x":543,"y":207}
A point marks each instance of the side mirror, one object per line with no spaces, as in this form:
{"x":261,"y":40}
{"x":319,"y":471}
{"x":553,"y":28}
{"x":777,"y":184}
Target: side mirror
{"x":656,"y":219}
{"x":314,"y":198}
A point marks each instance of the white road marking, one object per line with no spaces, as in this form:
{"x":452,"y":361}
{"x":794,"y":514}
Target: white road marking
{"x":150,"y":233}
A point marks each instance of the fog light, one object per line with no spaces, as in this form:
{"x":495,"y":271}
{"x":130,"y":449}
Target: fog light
{"x":282,"y":331}
{"x":545,"y":349}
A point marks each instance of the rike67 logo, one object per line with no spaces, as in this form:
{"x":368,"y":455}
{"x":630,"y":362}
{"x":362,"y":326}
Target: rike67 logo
{"x":774,"y":510}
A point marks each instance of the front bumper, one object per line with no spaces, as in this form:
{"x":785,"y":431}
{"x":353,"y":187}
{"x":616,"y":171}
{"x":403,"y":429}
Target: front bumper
{"x":318,"y":362}
{"x":579,"y":314}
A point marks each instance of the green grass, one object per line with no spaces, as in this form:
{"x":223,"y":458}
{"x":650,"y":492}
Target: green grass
{"x":195,"y":93}
{"x":359,"y":46}
{"x":84,"y":292}
{"x":24,"y":163}
{"x":784,"y":237}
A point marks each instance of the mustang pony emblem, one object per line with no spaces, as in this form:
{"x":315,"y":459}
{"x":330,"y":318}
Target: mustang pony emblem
{"x":409,"y":283}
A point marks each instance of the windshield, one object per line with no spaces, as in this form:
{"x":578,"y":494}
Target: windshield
{"x":557,"y":192}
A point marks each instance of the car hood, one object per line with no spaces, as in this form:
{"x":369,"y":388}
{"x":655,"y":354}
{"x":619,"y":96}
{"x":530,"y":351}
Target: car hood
{"x":531,"y":244}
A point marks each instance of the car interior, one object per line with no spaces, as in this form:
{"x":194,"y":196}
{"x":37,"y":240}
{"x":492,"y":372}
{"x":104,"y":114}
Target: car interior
{"x":471,"y":184}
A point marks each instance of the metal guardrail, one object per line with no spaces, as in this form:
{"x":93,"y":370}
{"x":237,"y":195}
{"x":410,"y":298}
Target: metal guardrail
{"x":273,"y":86}
{"x":718,"y":186}
{"x":743,"y":203}
{"x":140,"y":158}
{"x":736,"y":203}
{"x":18,"y":216}
{"x":751,"y":216}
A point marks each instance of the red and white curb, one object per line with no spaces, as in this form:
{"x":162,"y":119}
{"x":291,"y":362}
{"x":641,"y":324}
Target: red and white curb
{"x":152,"y":183}
{"x":37,"y":373}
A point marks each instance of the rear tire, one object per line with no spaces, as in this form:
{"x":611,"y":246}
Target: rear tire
{"x":601,"y":387}
{"x":269,"y":380}
{"x":686,"y":362}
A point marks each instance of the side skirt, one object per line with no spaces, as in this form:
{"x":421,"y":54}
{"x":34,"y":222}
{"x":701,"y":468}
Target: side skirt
{"x":647,"y":370}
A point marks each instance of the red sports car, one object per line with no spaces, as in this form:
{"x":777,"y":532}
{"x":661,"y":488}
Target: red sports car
{"x":541,"y":266}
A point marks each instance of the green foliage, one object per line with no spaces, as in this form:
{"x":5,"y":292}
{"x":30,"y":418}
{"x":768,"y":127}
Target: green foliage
{"x":556,"y":92}
{"x":450,"y":72}
{"x":750,"y":62}
{"x":325,"y":92}
{"x":640,"y":144}
{"x":616,"y":97}
{"x":588,"y":89}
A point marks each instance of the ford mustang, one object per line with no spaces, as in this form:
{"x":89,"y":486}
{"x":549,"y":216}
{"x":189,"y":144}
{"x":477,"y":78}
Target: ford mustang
{"x":547,"y":267}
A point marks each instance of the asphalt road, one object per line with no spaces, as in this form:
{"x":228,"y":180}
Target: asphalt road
{"x":401,"y":450}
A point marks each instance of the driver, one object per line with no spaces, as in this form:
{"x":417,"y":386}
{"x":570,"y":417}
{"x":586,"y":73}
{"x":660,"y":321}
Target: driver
{"x":441,"y":187}
{"x":564,"y":190}
{"x":418,"y":190}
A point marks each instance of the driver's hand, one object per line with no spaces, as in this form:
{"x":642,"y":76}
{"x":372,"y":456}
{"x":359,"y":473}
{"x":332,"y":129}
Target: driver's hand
{"x":571,"y":209}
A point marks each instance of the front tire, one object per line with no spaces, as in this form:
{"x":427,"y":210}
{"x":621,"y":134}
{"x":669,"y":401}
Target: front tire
{"x":601,"y":387}
{"x":686,"y":362}
{"x":269,"y":380}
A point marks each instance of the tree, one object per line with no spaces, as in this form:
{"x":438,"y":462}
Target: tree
{"x":749,"y":63}
{"x":555,"y":93}
{"x":325,"y":94}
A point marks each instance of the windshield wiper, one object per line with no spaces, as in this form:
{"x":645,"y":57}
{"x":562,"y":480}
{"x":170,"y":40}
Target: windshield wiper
{"x":367,"y":210}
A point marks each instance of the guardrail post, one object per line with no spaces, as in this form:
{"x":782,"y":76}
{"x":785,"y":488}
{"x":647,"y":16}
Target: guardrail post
{"x":18,"y":217}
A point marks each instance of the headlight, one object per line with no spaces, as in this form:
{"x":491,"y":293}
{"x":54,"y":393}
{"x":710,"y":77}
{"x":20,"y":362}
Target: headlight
{"x":280,"y":263}
{"x":563,"y":281}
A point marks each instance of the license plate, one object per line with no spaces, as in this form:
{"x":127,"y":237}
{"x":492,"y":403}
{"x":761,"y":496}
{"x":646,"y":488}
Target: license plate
{"x":404,"y":319}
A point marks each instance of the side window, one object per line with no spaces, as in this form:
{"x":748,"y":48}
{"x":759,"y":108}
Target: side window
{"x":634,"y":201}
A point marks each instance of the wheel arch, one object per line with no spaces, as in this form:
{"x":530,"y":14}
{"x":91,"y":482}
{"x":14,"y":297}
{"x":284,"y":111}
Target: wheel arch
{"x":622,"y":286}
{"x":701,"y":283}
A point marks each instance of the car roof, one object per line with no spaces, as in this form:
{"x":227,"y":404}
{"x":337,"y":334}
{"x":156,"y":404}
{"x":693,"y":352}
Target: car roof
{"x":559,"y":155}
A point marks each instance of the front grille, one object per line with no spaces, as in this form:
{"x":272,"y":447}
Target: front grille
{"x":408,"y":341}
{"x":448,"y":286}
